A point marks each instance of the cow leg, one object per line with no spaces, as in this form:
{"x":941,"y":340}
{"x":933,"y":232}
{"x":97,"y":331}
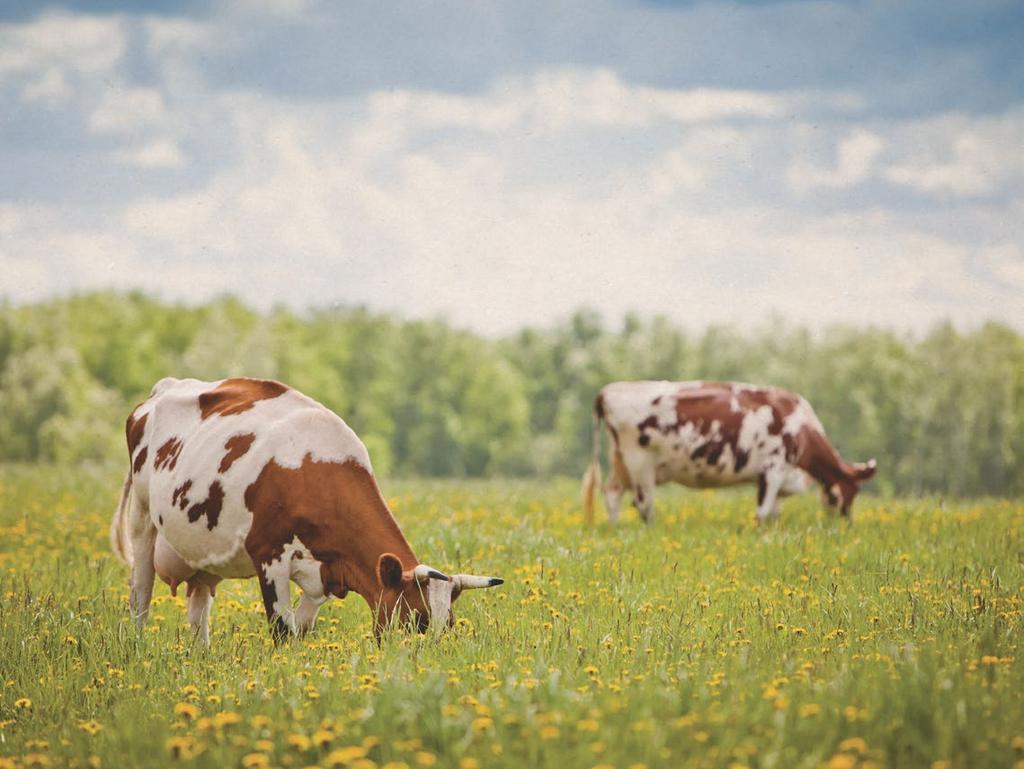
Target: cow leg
{"x":305,"y":613}
{"x":200,"y":599}
{"x":277,"y":602}
{"x":618,"y":480}
{"x":768,"y":486}
{"x":143,"y":537}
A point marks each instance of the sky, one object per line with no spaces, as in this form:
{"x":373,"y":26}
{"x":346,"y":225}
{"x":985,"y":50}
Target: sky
{"x":505,"y":164}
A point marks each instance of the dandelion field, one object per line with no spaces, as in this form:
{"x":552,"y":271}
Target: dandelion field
{"x":700,"y":641}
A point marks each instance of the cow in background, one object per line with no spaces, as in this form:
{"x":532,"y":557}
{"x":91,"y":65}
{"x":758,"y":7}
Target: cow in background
{"x":711,"y":434}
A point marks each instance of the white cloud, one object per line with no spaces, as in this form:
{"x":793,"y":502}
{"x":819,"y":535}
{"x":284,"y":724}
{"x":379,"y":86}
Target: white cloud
{"x":959,"y":155}
{"x":124,"y":110}
{"x":855,"y":161}
{"x":49,"y":53}
{"x":160,"y":153}
{"x":516,"y":205}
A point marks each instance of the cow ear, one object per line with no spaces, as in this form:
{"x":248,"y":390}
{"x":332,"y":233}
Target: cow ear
{"x":389,"y":570}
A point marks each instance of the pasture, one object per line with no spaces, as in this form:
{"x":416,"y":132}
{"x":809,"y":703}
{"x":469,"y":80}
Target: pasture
{"x":700,"y":641}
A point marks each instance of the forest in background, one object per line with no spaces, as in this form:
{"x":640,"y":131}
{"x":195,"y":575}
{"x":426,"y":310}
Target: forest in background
{"x":943,"y":412}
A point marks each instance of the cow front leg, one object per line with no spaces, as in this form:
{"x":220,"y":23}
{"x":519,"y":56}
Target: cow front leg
{"x":305,"y":613}
{"x":768,"y":486}
{"x":274,"y":586}
{"x":310,"y":580}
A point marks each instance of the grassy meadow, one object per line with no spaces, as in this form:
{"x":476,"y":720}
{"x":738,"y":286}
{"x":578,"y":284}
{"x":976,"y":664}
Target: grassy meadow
{"x":700,"y":641}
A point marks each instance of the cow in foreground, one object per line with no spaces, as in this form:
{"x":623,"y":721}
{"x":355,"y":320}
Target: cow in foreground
{"x":711,"y":434}
{"x":247,"y":477}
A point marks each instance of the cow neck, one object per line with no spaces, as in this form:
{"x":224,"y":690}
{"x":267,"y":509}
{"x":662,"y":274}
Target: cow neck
{"x":366,"y":529}
{"x":820,"y":459}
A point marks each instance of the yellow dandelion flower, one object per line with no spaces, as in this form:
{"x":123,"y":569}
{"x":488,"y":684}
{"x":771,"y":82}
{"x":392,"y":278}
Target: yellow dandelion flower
{"x":36,"y":759}
{"x":90,"y":727}
{"x":255,"y":760}
{"x":322,"y":737}
{"x":469,"y":763}
{"x":260,"y":722}
{"x":809,"y":709}
{"x":346,"y":755}
{"x":425,"y":758}
{"x":482,"y":724}
{"x":395,"y":765}
{"x":23,"y":703}
{"x":855,"y":744}
{"x":186,"y":709}
{"x":550,"y":733}
{"x":180,"y":747}
{"x":588,"y":725}
{"x":298,"y":741}
{"x":226,"y":718}
{"x":841,"y":761}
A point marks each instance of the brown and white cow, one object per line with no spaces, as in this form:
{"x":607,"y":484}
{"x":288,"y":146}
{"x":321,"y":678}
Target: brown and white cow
{"x":247,"y":477}
{"x":710,"y":434}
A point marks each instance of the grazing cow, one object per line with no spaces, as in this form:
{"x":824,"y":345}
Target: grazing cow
{"x":710,"y":434}
{"x":246,"y":477}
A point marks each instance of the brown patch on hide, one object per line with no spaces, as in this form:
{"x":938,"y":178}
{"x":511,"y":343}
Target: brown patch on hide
{"x":210,"y":507}
{"x":167,"y":455}
{"x":140,"y":459}
{"x":235,"y":396}
{"x":181,"y":493}
{"x":237,"y":446}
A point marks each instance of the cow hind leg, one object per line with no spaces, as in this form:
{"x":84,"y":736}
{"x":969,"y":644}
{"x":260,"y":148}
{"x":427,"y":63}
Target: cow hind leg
{"x":641,"y":472}
{"x":613,"y":498}
{"x":143,"y":538}
{"x":643,"y":497}
{"x":768,"y":486}
{"x":618,"y":481}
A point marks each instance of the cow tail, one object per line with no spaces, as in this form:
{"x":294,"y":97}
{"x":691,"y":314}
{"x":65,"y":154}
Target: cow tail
{"x":592,"y":477}
{"x":119,"y":541}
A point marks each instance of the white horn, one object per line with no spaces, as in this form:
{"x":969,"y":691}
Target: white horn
{"x":471,"y":581}
{"x":422,"y":573}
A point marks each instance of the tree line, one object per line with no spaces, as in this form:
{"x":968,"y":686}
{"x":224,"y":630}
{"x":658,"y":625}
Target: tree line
{"x":943,"y":412}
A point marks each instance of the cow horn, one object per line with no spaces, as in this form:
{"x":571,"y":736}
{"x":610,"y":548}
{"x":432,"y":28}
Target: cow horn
{"x":471,"y":581}
{"x":422,"y":573}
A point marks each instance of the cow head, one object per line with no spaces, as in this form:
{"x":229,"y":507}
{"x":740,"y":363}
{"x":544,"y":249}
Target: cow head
{"x":420,"y":595}
{"x":840,"y":493}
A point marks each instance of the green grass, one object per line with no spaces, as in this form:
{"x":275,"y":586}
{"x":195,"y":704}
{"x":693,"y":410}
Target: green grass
{"x":700,"y":641}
